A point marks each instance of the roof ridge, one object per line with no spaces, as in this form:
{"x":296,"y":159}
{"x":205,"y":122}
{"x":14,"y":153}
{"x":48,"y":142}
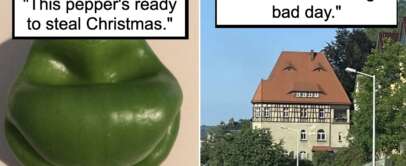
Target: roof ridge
{"x":300,"y":52}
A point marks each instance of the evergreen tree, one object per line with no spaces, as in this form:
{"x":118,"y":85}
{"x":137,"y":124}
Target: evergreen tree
{"x":349,"y":49}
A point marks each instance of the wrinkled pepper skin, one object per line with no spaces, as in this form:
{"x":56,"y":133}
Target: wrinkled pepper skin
{"x":93,"y":103}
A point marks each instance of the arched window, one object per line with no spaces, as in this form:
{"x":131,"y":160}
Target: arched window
{"x":302,"y":155}
{"x":340,"y":137}
{"x":321,"y":135}
{"x":303,"y":135}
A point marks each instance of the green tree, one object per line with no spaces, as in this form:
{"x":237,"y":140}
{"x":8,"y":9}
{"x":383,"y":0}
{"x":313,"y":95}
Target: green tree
{"x":323,"y":158}
{"x":242,"y":146}
{"x":255,"y":147}
{"x":342,"y":157}
{"x":352,"y":155}
{"x":388,"y":66}
{"x":398,"y":159}
{"x":204,"y":152}
{"x":350,"y":48}
{"x":390,"y":101}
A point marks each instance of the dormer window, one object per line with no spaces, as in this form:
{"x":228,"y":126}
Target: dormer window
{"x":289,"y":67}
{"x":307,"y":94}
{"x":298,"y":94}
{"x":319,"y":67}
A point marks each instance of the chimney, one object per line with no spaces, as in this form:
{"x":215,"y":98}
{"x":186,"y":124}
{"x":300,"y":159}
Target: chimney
{"x":313,"y":54}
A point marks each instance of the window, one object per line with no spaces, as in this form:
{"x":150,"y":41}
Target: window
{"x":303,"y":135}
{"x":270,"y":109}
{"x":302,"y":155}
{"x":267,"y":112}
{"x":321,"y":135}
{"x":321,"y":114}
{"x":285,"y":113}
{"x":303,"y":113}
{"x":319,"y":67}
{"x":289,"y":67}
{"x":307,"y":94}
{"x":298,"y":94}
{"x":339,"y":137}
{"x":268,"y":131}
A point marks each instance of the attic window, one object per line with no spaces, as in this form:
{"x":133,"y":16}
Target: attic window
{"x":307,"y":94}
{"x":319,"y":67}
{"x":289,"y":67}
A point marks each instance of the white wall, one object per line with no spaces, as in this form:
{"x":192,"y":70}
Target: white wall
{"x":290,"y":132}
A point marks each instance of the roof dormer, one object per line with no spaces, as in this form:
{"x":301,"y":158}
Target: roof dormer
{"x":289,"y":67}
{"x":319,"y":67}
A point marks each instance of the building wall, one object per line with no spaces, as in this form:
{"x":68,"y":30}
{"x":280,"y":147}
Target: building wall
{"x":336,"y":129}
{"x":290,"y":134}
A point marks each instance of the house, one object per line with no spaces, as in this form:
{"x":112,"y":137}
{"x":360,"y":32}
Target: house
{"x":395,"y":36}
{"x":303,"y":103}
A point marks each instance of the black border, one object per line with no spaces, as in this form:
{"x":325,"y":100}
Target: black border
{"x":186,"y":35}
{"x":303,"y":26}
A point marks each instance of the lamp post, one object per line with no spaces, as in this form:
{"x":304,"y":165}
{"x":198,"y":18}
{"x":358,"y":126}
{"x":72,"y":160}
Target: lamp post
{"x":351,"y":70}
{"x":297,"y":143}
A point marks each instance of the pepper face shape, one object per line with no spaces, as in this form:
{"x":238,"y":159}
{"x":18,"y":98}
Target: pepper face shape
{"x":93,"y":103}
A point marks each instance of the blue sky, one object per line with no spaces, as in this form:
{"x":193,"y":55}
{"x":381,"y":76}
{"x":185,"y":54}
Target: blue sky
{"x":233,"y":61}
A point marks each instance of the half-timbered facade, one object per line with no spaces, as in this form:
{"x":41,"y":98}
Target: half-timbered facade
{"x":303,"y":103}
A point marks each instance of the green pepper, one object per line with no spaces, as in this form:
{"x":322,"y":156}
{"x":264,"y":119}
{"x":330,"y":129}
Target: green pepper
{"x":93,"y":103}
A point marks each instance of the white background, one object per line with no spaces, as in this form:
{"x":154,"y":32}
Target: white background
{"x":353,"y":12}
{"x":23,"y":10}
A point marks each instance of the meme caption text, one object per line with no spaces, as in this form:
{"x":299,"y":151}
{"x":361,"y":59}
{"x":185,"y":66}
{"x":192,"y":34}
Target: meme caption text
{"x":98,"y":18}
{"x":306,"y":13}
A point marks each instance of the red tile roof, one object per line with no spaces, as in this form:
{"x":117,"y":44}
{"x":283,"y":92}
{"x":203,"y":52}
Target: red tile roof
{"x":303,"y":72}
{"x":403,"y":24}
{"x":393,"y":36}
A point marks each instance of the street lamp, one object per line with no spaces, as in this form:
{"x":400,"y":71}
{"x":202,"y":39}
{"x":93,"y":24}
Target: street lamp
{"x":351,"y":70}
{"x":297,"y":143}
